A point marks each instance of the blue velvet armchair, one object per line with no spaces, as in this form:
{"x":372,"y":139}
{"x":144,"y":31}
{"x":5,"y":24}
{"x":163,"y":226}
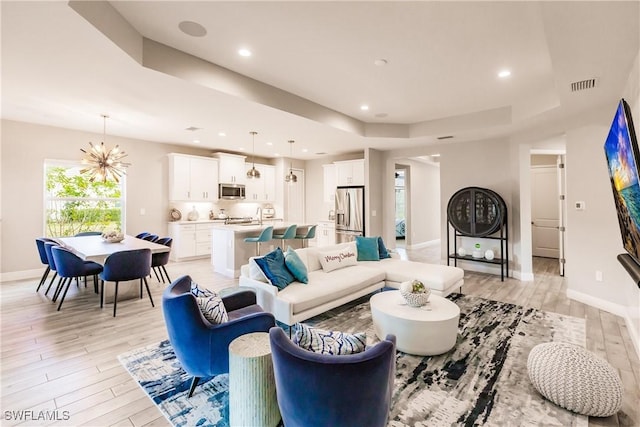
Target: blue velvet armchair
{"x":338,"y":391}
{"x":202,"y":347}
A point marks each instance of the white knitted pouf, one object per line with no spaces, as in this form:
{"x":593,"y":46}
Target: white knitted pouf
{"x":576,"y":379}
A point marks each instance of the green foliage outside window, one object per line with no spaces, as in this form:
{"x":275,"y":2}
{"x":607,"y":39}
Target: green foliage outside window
{"x":74,"y":204}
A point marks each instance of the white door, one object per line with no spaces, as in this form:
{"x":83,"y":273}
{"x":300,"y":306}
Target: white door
{"x":545,"y":212}
{"x":296,"y":199}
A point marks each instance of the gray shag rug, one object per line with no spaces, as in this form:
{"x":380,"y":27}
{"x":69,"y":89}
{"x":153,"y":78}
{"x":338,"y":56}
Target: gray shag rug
{"x":482,"y":381}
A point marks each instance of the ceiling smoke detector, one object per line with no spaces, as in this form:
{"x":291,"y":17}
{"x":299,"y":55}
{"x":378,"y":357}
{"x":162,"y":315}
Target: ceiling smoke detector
{"x":583,"y":85}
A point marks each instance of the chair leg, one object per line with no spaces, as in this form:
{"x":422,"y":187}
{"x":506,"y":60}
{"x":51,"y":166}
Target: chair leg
{"x":65,"y":293}
{"x":156,"y":273}
{"x":44,"y":278}
{"x":115,"y":300}
{"x":148,"y":291}
{"x":141,"y":287}
{"x":51,"y":282}
{"x":194,"y":384}
{"x":59,"y":286}
{"x":95,"y":284}
{"x":101,"y":293}
{"x":165,"y":273}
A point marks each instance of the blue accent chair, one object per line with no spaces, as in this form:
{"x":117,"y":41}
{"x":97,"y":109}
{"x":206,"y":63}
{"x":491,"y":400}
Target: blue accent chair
{"x":151,"y":237}
{"x":70,"y":266}
{"x":142,"y":235}
{"x":310,"y":234}
{"x":43,"y":259}
{"x":159,"y":260}
{"x":52,"y":265}
{"x":264,"y":236}
{"x":202,"y":347}
{"x":289,"y":233}
{"x":123,"y":266}
{"x":352,"y":390}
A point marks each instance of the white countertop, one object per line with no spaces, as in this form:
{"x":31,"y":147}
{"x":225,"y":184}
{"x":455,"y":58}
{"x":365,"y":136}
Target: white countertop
{"x":239,"y":228}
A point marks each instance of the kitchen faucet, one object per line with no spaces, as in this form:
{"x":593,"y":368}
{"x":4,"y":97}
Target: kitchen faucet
{"x":259,"y":213}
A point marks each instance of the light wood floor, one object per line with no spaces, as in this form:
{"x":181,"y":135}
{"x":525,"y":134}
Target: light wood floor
{"x":67,"y":361}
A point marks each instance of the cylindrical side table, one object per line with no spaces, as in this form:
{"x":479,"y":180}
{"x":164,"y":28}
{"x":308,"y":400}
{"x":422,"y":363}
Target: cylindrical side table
{"x":252,"y":387}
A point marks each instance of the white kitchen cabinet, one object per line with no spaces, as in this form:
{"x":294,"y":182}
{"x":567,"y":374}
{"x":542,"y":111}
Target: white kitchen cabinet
{"x":264,"y":188}
{"x":192,"y":178}
{"x":349,"y":172}
{"x":190,"y":240}
{"x":325,"y":233}
{"x":231,"y":168}
{"x":329,"y":182}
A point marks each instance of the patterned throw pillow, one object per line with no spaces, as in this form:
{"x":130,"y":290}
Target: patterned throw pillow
{"x":339,"y":258}
{"x":296,"y":266}
{"x":210,"y":304}
{"x":328,"y":342}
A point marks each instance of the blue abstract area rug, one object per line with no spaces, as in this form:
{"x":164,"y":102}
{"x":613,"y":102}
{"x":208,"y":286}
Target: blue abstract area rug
{"x":482,"y":381}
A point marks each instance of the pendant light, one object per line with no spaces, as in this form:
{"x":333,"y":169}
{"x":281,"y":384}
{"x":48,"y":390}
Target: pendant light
{"x":102,"y":163}
{"x":253,"y":173}
{"x":291,"y":178}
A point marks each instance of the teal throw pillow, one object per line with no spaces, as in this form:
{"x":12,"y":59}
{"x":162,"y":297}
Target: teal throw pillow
{"x":382,"y":249}
{"x":367,"y":248}
{"x":296,"y":266}
{"x":273,"y":266}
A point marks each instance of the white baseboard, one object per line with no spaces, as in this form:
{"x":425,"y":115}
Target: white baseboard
{"x":608,"y":306}
{"x":21,"y":275}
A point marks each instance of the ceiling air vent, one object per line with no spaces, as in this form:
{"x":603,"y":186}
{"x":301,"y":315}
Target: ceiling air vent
{"x":192,"y":128}
{"x":445,"y":137}
{"x":583,"y":85}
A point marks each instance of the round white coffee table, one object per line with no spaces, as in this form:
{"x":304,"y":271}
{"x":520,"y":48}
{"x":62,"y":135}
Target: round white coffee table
{"x":424,"y":331}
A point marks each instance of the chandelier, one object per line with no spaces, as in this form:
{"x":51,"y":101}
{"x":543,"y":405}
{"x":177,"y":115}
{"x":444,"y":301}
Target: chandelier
{"x":103,"y":164}
{"x":253,"y":173}
{"x":291,"y":178}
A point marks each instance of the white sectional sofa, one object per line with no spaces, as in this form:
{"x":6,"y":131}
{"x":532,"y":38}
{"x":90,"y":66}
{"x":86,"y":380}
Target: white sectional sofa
{"x":327,"y":290}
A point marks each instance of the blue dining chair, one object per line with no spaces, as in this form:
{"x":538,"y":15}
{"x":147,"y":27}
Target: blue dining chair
{"x":264,"y":236}
{"x":142,"y":235}
{"x":289,"y":233}
{"x":150,"y":237}
{"x":52,"y":265}
{"x":159,"y":260}
{"x":123,"y":266}
{"x":43,"y":259}
{"x":70,"y":266}
{"x":310,"y":234}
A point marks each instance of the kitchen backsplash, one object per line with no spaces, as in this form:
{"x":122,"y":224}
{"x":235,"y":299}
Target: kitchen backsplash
{"x":231,"y":208}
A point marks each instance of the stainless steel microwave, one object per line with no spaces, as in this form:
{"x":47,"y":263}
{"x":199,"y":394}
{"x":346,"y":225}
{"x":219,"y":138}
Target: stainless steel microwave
{"x":231,"y":191}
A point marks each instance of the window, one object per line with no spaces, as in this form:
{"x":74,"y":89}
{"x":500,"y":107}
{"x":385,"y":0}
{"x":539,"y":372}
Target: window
{"x":73,"y":204}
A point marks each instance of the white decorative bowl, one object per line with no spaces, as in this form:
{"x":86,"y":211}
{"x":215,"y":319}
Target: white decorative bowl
{"x":417,"y":299}
{"x":113,"y":239}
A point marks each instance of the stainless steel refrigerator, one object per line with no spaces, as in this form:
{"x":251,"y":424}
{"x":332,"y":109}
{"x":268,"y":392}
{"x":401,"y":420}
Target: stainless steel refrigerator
{"x":349,"y":213}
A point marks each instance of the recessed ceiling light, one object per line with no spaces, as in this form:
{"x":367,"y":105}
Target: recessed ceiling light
{"x":196,"y":141}
{"x":381,"y":62}
{"x":364,"y":107}
{"x":304,"y":150}
{"x":276,"y":154}
{"x":241,"y":149}
{"x":222,"y":134}
{"x":192,"y":29}
{"x":504,"y":73}
{"x":435,"y":155}
{"x":269,"y":143}
{"x":244,"y":52}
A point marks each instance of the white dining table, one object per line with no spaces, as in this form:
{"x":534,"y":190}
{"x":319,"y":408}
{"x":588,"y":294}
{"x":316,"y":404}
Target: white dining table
{"x":94,"y":248}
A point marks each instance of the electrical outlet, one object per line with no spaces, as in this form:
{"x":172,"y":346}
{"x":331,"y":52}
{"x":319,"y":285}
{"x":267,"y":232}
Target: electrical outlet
{"x":580,"y":206}
{"x":598,"y":276}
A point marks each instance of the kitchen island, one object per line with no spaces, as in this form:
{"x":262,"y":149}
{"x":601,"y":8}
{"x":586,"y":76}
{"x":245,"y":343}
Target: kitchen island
{"x":230,"y":252}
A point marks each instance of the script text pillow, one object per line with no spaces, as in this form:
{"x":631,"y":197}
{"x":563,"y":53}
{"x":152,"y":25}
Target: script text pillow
{"x":210,"y":304}
{"x":272,"y":265}
{"x":296,"y":266}
{"x":339,"y":258}
{"x":367,"y":248}
{"x":328,"y":342}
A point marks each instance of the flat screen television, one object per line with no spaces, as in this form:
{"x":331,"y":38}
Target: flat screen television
{"x":621,"y":150}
